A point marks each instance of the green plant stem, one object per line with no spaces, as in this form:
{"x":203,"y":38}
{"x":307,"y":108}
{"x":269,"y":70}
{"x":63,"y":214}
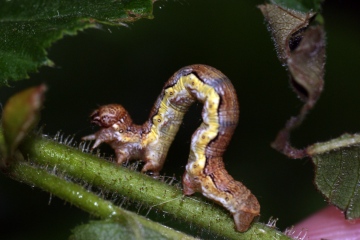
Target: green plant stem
{"x":345,"y":140}
{"x":86,"y":200}
{"x":138,"y":187}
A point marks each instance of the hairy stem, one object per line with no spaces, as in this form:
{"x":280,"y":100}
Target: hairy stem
{"x":86,"y":200}
{"x":135,"y":186}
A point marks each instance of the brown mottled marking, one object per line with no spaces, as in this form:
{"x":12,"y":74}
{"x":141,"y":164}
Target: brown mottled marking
{"x":150,"y":142}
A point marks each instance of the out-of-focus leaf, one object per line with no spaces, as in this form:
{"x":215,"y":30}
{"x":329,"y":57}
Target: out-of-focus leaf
{"x":107,"y":229}
{"x":3,"y":150}
{"x":28,"y":27}
{"x":20,"y":114}
{"x":337,"y":173}
{"x":300,"y":47}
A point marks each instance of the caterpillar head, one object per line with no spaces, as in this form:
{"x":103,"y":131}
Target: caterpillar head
{"x":108,"y":115}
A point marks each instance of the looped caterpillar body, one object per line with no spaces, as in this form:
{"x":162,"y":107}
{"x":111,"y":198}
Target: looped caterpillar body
{"x":150,"y":142}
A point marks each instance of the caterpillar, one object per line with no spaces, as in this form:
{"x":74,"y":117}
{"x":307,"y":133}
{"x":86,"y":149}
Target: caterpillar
{"x":150,"y":142}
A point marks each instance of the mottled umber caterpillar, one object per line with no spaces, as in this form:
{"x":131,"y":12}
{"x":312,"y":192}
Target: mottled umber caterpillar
{"x":150,"y":142}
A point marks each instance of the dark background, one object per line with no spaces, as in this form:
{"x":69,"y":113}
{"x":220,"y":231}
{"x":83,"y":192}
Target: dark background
{"x":129,"y":65}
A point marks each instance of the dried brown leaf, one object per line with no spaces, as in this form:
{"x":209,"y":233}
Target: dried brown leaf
{"x":306,"y":65}
{"x":301,"y":48}
{"x":286,"y":26}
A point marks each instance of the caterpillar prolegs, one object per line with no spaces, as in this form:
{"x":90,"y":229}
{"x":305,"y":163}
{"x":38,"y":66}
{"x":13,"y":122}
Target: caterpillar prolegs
{"x":150,"y":142}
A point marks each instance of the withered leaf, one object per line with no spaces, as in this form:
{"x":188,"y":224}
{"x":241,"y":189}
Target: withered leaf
{"x":284,"y":24}
{"x":306,"y":65}
{"x":300,"y":47}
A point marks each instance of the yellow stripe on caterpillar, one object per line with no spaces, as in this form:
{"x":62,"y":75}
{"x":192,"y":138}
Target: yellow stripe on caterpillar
{"x":150,"y":142}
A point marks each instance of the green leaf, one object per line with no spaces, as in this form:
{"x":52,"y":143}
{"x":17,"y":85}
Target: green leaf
{"x":337,"y":173}
{"x":300,"y":5}
{"x":107,"y":229}
{"x":20,"y":114}
{"x":28,"y":27}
